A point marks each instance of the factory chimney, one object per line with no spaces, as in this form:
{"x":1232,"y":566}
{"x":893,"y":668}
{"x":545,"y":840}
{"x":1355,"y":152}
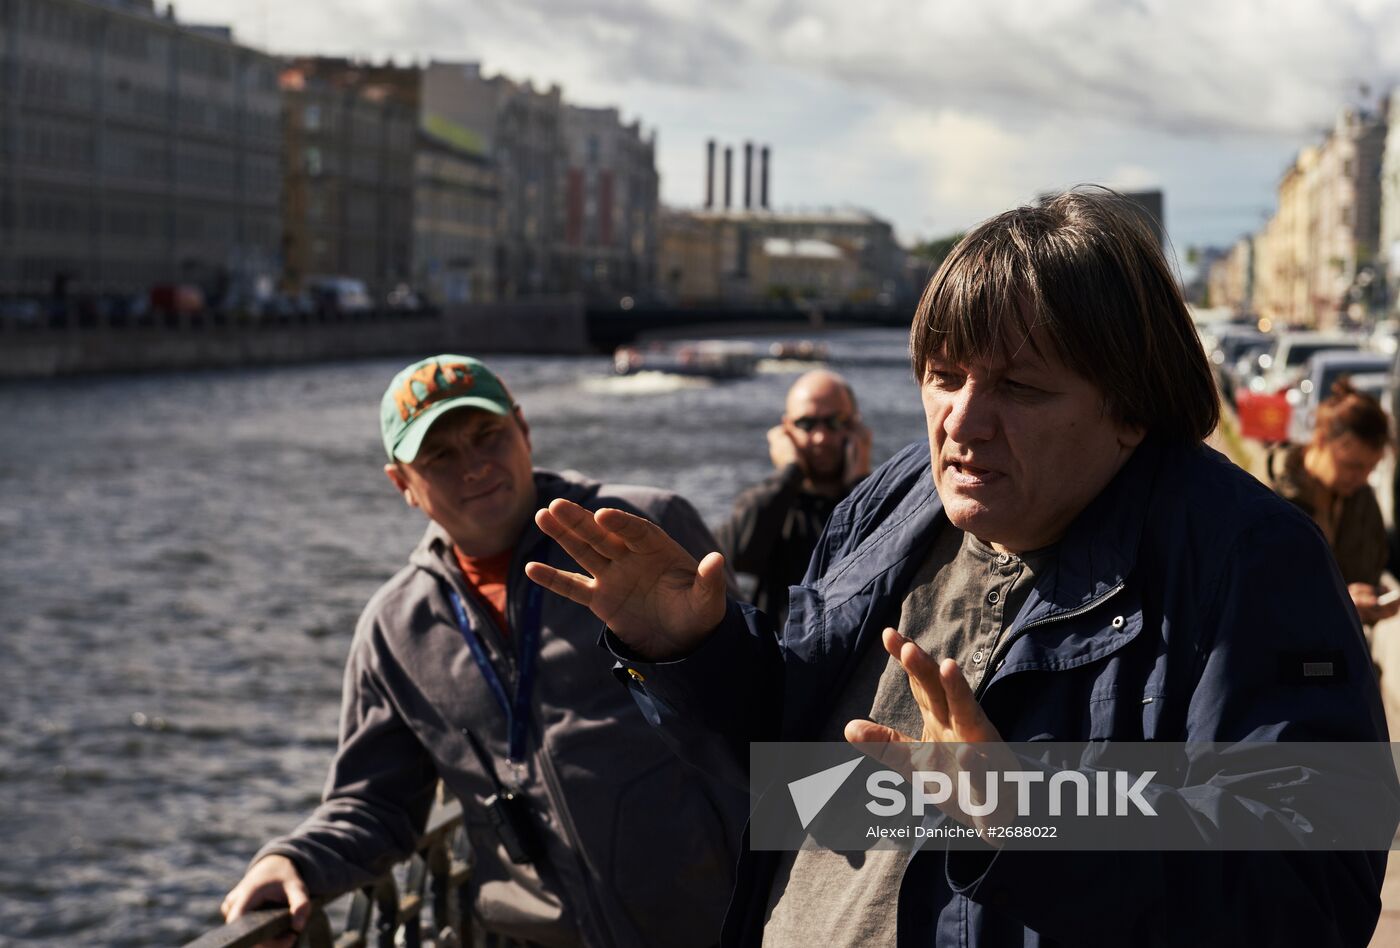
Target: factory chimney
{"x":763,"y":178}
{"x":710,"y":175}
{"x":748,"y":176}
{"x":728,"y":176}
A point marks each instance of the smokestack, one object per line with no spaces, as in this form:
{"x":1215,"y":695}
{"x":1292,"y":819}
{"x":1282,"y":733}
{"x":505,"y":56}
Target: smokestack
{"x":763,"y":178}
{"x":728,"y":175}
{"x":748,"y":176}
{"x":710,"y":174}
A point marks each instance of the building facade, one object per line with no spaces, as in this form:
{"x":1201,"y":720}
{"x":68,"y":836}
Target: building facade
{"x":1344,"y":231}
{"x":456,"y":200}
{"x":348,"y":170}
{"x":520,"y":130}
{"x":1231,"y":279}
{"x":715,"y":257}
{"x":134,"y":150}
{"x":611,"y":206}
{"x":1323,"y":247}
{"x":1388,"y":247}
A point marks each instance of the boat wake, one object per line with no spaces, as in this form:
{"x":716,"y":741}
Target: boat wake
{"x":642,"y":383}
{"x":787,"y":366}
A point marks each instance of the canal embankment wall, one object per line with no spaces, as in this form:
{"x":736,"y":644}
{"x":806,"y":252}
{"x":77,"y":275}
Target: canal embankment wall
{"x":78,"y":346}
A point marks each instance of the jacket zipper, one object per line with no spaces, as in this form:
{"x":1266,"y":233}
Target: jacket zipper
{"x":1005,"y":645}
{"x":548,"y":776}
{"x":586,"y":870}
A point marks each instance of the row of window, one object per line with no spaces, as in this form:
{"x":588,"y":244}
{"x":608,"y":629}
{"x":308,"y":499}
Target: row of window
{"x":61,"y":217}
{"x":131,"y":155}
{"x":58,"y":146}
{"x":455,"y":207}
{"x":366,"y":130}
{"x":46,"y":83}
{"x":74,"y":25}
{"x":63,"y":22}
{"x":366,"y":167}
{"x":43,"y":82}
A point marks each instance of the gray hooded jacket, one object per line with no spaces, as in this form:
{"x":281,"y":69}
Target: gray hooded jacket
{"x":639,"y":847}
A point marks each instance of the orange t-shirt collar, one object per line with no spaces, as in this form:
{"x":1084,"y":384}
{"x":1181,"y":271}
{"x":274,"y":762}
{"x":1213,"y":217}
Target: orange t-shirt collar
{"x":486,"y":577}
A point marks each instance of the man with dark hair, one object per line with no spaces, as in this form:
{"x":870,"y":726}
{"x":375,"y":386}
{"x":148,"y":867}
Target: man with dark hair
{"x":584,"y":829}
{"x":1076,"y":566}
{"x":819,"y":451}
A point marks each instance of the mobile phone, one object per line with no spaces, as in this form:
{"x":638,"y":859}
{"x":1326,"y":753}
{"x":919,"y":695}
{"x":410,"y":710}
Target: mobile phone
{"x":1388,"y":598}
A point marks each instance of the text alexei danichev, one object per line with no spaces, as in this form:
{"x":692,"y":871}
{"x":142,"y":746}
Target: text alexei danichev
{"x":946,"y":831}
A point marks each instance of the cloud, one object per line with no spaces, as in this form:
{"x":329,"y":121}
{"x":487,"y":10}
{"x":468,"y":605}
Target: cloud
{"x":1133,"y":178}
{"x":964,"y":161}
{"x":1183,"y":66}
{"x":935,"y":113}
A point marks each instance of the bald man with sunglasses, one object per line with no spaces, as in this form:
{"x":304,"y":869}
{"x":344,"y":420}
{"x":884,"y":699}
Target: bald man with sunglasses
{"x":820,"y":451}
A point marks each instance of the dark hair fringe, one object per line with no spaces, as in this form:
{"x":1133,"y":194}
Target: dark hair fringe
{"x":1084,"y":272}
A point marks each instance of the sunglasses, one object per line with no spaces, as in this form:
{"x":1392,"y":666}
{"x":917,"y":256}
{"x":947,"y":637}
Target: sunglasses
{"x":833,"y":423}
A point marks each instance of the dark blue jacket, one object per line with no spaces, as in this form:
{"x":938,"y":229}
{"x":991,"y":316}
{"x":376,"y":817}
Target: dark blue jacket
{"x":1175,"y":597}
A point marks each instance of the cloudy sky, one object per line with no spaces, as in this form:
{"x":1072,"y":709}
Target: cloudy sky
{"x":933,"y":114}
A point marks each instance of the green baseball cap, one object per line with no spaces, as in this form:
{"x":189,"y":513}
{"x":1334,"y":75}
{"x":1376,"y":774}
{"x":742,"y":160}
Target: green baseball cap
{"x":427,"y":390}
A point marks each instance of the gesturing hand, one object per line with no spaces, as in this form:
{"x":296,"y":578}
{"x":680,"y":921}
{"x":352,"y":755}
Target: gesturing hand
{"x":644,"y":585}
{"x":957,"y":734}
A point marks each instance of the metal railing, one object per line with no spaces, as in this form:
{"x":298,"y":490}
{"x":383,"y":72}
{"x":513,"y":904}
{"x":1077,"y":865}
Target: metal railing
{"x":381,"y":914}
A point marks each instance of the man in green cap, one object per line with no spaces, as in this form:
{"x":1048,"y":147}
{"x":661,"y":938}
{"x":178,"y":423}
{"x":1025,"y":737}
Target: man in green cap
{"x":585,"y":829}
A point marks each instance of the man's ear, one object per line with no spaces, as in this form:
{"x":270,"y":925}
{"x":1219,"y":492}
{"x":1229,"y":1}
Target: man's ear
{"x":394,"y":472}
{"x":1130,"y":436}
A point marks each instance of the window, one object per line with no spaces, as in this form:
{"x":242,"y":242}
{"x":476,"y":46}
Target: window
{"x":313,"y":161}
{"x":311,"y":117}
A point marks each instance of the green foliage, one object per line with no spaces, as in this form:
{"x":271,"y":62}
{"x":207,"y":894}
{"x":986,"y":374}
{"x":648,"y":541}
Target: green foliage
{"x":936,"y":251}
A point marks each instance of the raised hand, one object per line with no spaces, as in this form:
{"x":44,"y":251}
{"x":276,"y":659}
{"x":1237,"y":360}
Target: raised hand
{"x":957,"y":734}
{"x":644,"y":585}
{"x":781,"y":450}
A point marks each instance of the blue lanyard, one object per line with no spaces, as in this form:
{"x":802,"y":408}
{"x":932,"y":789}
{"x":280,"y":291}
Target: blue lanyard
{"x":517,"y":712}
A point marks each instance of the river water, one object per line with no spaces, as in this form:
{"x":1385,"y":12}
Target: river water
{"x":182,"y":561}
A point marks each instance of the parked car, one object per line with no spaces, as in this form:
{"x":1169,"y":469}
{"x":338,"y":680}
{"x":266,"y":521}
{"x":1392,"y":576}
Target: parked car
{"x":1265,"y":407}
{"x":1286,"y":363}
{"x":1246,"y":367}
{"x":287,"y":306}
{"x":1230,"y":344}
{"x":339,"y":294}
{"x":176,"y":298}
{"x":24,"y":311}
{"x":1323,"y":371}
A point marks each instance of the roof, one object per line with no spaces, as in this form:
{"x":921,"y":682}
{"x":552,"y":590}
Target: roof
{"x":1351,"y":356}
{"x":809,"y":249}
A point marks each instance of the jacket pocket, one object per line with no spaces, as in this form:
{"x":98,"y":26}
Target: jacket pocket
{"x":511,"y":899}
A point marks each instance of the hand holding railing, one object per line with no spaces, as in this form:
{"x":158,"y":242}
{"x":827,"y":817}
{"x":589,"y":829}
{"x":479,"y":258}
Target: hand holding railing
{"x":379,"y":912}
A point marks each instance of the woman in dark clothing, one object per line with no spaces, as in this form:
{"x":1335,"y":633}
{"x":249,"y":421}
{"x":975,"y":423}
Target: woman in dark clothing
{"x":1327,"y":479}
